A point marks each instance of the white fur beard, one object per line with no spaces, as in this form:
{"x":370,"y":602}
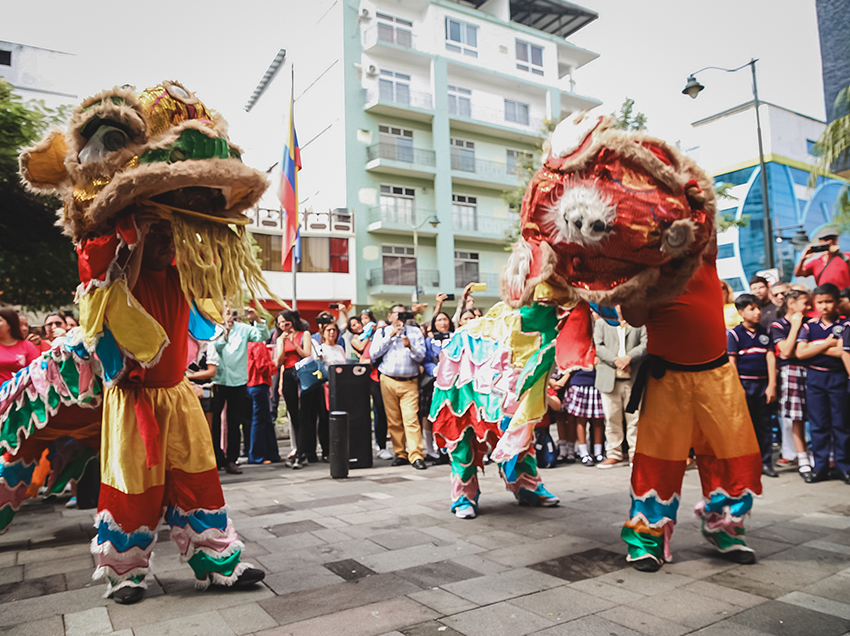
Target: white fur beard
{"x":582,"y":215}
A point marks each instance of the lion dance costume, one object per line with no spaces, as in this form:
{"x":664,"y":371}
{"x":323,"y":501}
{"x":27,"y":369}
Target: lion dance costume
{"x":612,"y":218}
{"x":157,"y":151}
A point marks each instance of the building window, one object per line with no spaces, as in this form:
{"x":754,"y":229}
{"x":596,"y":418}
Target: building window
{"x":398,"y":204}
{"x":516,"y":160}
{"x":463,"y":155}
{"x":461,"y":37}
{"x":460,"y":101}
{"x":725,"y":251}
{"x":395,"y":143}
{"x":529,"y":57}
{"x":398,"y":264}
{"x":466,"y":268}
{"x":323,"y":254}
{"x":270,"y":257}
{"x":516,"y":112}
{"x":465,"y":213}
{"x":394,"y":87}
{"x":395,"y":30}
{"x":5,"y":58}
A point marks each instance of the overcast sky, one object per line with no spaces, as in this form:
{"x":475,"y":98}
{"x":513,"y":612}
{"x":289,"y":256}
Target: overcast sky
{"x":647,"y":48}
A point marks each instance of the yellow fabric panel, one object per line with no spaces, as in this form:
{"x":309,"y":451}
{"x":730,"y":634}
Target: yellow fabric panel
{"x":184,"y":437}
{"x":504,"y":324}
{"x":92,"y":313}
{"x":47,"y":165}
{"x":706,"y":409}
{"x":135,"y":330}
{"x":532,"y":405}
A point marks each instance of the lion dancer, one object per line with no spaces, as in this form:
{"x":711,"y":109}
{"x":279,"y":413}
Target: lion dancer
{"x":693,"y":399}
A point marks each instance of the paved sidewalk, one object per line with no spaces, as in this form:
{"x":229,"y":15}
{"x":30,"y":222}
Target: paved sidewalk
{"x":380,"y":553}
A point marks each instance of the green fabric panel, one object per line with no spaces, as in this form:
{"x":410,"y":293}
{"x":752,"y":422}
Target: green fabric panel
{"x":6,"y":516}
{"x":722,"y":539}
{"x":642,"y":544}
{"x":461,"y":457}
{"x":73,"y":470}
{"x":462,"y":397}
{"x":20,"y":419}
{"x":203,"y":564}
{"x":527,"y":463}
{"x":538,"y":367}
{"x":192,"y":144}
{"x":69,"y":373}
{"x":542,"y":318}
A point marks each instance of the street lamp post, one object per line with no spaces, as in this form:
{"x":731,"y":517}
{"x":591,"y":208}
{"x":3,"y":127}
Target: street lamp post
{"x":434,"y":221}
{"x":692,"y":89}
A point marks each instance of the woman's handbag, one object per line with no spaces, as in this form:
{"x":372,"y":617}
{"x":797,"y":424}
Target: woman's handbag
{"x":311,"y":371}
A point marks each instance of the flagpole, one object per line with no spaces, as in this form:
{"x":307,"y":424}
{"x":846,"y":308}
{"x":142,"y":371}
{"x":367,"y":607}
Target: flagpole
{"x":294,"y":264}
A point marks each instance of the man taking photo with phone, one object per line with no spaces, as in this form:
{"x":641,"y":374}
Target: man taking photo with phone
{"x":830,"y":264}
{"x":401,"y":348}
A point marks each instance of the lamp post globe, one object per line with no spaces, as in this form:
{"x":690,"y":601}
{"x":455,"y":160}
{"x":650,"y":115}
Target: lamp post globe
{"x":692,"y":88}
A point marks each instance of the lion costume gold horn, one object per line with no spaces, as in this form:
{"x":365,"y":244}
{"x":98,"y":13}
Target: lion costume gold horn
{"x":159,"y":150}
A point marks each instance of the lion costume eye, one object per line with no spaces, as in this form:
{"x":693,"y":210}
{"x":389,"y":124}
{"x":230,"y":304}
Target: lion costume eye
{"x":105,"y":140}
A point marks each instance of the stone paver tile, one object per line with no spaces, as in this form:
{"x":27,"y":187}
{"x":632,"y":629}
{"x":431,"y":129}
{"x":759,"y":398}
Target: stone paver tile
{"x":496,"y":539}
{"x":441,"y":532}
{"x":431,"y":628}
{"x":819,"y":604}
{"x":287,"y":582}
{"x":331,"y":535}
{"x":480,"y":564}
{"x":181,"y":600}
{"x":8,"y":559}
{"x":291,"y":543}
{"x":588,"y":626}
{"x":255,"y":534}
{"x":536,"y":551}
{"x":349,"y":569}
{"x":11,"y":574}
{"x":53,"y":554}
{"x":501,"y":619}
{"x":51,"y":605}
{"x":39,"y":569}
{"x":32,"y":588}
{"x":643,"y":583}
{"x":767,"y":578}
{"x":499,"y":587}
{"x":839,"y":522}
{"x":206,"y":624}
{"x":246,"y":619}
{"x":366,"y":620}
{"x":782,"y":532}
{"x":301,"y":606}
{"x":687,"y":608}
{"x":562,"y":604}
{"x":725,"y":594}
{"x":728,"y":628}
{"x":828,"y":546}
{"x":778,"y":618}
{"x":402,"y":539}
{"x":90,"y":622}
{"x":827,"y":562}
{"x":612,"y":593}
{"x":836,"y":587}
{"x":441,"y":601}
{"x":52,"y":626}
{"x":354,"y":549}
{"x":582,"y":565}
{"x":643,"y":622}
{"x":417,"y":555}
{"x":437,"y":574}
{"x":699,"y":563}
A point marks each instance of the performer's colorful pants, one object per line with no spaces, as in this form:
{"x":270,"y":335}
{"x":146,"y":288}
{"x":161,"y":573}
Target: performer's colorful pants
{"x":520,"y":474}
{"x":707,"y":411}
{"x":184,"y":487}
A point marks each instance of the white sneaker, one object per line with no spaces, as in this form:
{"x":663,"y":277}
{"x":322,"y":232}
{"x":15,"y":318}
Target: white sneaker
{"x":384,"y":454}
{"x":465,"y":512}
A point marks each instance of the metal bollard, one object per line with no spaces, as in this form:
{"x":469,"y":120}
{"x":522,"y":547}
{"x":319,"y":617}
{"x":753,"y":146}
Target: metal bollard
{"x":338,"y":425}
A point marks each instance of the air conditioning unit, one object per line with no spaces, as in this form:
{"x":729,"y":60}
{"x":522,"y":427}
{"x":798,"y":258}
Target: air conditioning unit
{"x":364,"y":14}
{"x":371,"y":70}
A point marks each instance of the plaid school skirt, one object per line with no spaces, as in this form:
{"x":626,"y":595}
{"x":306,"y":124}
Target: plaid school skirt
{"x":792,"y":403}
{"x":584,"y":401}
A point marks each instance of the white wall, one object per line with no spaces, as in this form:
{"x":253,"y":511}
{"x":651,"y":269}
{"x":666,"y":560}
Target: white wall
{"x":39,"y":73}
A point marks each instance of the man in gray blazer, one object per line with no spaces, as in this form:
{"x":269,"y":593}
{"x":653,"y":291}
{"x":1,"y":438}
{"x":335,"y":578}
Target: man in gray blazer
{"x":620,"y":350}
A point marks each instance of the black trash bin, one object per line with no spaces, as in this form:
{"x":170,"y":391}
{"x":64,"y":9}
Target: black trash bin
{"x":349,"y":392}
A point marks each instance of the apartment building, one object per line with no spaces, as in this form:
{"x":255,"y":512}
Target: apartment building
{"x":412,"y":117}
{"x":38,"y":73}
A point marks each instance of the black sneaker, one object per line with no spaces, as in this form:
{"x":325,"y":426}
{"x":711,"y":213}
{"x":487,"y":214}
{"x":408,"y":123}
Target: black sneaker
{"x":128,"y":595}
{"x":742,"y":557}
{"x":248,"y":578}
{"x":649,"y":564}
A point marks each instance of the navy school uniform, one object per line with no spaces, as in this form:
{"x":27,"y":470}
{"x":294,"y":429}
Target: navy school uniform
{"x":749,"y":348}
{"x":826,"y":398}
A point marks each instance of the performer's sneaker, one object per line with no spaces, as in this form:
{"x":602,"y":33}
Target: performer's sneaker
{"x":647,"y":564}
{"x":465,"y":512}
{"x":539,"y":497}
{"x":249,"y":577}
{"x":742,"y":557}
{"x":128,"y":595}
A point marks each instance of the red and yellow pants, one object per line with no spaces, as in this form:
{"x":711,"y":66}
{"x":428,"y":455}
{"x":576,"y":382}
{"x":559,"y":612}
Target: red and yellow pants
{"x":183,"y":487}
{"x":706,"y":411}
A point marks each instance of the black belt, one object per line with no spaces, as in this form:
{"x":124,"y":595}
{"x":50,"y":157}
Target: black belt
{"x":658,"y":366}
{"x":411,"y":379}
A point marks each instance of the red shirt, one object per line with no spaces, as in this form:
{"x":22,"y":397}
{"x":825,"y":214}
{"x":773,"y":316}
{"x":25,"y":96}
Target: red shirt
{"x":690,"y":329}
{"x":837,"y":272}
{"x":16,"y":357}
{"x":161,"y":296}
{"x":260,"y":366}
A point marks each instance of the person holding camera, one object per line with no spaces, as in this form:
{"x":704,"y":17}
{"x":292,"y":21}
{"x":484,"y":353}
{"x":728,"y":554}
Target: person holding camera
{"x":830,"y":266}
{"x":441,"y":331}
{"x":400,"y":349}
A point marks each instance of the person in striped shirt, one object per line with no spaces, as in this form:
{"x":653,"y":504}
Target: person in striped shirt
{"x":750,"y":351}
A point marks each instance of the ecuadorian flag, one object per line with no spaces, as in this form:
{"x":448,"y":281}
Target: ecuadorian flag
{"x":288,"y":194}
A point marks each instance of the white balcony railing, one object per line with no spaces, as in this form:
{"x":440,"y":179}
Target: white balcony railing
{"x":401,"y":98}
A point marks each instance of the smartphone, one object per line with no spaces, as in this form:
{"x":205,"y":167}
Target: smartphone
{"x":450,"y":296}
{"x":333,"y":306}
{"x":478,"y":287}
{"x":820,"y":248}
{"x":439,"y":335}
{"x":404,"y":316}
{"x":324,"y":320}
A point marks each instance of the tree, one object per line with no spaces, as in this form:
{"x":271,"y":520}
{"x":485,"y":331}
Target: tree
{"x":725,"y":221}
{"x":832,"y":150}
{"x":38,"y":265}
{"x":627,"y":119}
